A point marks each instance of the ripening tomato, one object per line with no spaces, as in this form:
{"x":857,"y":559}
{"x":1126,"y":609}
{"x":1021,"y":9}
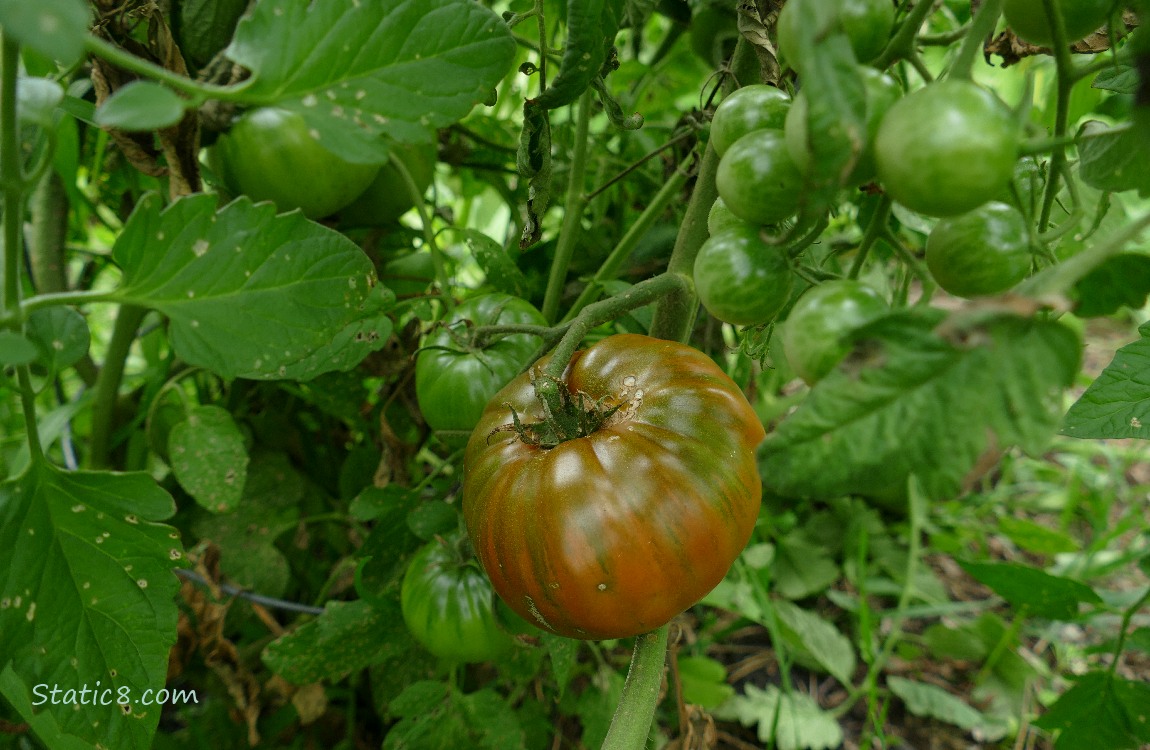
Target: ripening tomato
{"x":751,"y":108}
{"x":448,"y":606}
{"x":816,"y":330}
{"x":758,"y":180}
{"x":742,"y":279}
{"x":1029,"y":20}
{"x":985,"y":251}
{"x":614,"y":533}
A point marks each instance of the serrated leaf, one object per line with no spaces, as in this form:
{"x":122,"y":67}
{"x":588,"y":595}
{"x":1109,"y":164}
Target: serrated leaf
{"x":401,"y":68}
{"x":87,"y":594}
{"x":60,"y":334}
{"x":1037,"y":591}
{"x":704,"y":681}
{"x":1101,"y":710}
{"x":492,"y":720}
{"x":428,"y":718}
{"x":1117,"y":403}
{"x":15,"y":349}
{"x":819,"y":638}
{"x":911,"y":401}
{"x":1114,"y":159}
{"x":800,"y":722}
{"x":564,"y":653}
{"x":932,"y":701}
{"x":141,"y":105}
{"x":37,"y":99}
{"x":54,"y":28}
{"x":249,"y":294}
{"x":209,"y":459}
{"x":1123,"y":280}
{"x":347,"y":637}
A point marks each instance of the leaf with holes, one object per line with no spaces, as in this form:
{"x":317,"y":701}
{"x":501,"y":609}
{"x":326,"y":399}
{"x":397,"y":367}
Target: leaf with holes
{"x":87,"y":594}
{"x":347,"y":637}
{"x":209,"y":459}
{"x":250,"y":294}
{"x":61,"y":334}
{"x":1117,"y":403}
{"x":401,"y":68}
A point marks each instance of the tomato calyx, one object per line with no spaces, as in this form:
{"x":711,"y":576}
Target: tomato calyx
{"x":567,"y":416}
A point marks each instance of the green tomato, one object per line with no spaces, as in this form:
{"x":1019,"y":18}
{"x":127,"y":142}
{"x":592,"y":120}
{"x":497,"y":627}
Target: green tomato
{"x":448,"y":605}
{"x":741,"y":279}
{"x":453,"y":379}
{"x":1029,"y":21}
{"x":408,"y":275}
{"x":720,"y":219}
{"x":882,"y":92}
{"x":387,"y":197}
{"x":270,"y":155}
{"x":986,"y":251}
{"x":751,"y":108}
{"x":867,"y":24}
{"x":946,"y":148}
{"x":815,"y":336}
{"x":758,"y":180}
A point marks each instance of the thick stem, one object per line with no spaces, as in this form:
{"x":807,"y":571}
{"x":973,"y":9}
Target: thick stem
{"x":108,"y":384}
{"x":902,"y":44}
{"x":633,"y":716}
{"x":13,"y":186}
{"x":196,"y":91}
{"x":980,"y":28}
{"x":572,"y":212}
{"x":1065,"y":70}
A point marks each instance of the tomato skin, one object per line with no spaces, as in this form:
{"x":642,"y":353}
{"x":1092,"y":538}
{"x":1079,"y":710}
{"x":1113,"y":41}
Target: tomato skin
{"x":818,"y":324}
{"x":613,"y":534}
{"x":867,"y":23}
{"x":985,"y":251}
{"x":947,"y":148}
{"x":741,"y":279}
{"x":269,"y":155}
{"x":720,"y":218}
{"x":454,"y":383}
{"x":449,"y":607}
{"x":1028,"y":19}
{"x":751,"y":108}
{"x":758,"y":180}
{"x":387,"y":197}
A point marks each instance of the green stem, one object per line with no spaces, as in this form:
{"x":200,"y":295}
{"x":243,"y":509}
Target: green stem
{"x":28,"y":402}
{"x":1127,"y":616}
{"x":437,"y":260}
{"x":874,"y":230}
{"x":56,"y":299}
{"x":13,"y":185}
{"x":1061,"y":278}
{"x":196,"y":91}
{"x":482,"y":335}
{"x":902,"y":44}
{"x":636,"y":710}
{"x":1065,"y":69}
{"x":981,"y":27}
{"x":108,"y":384}
{"x":572,"y":212}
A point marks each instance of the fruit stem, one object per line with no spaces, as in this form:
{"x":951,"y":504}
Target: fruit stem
{"x":636,"y":710}
{"x":981,"y":27}
{"x":874,"y":230}
{"x":902,"y":44}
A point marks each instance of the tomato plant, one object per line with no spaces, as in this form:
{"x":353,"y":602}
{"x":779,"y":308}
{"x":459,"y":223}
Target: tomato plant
{"x":269,"y":155}
{"x":557,"y":528}
{"x":388,"y":197}
{"x":742,"y":279}
{"x":946,"y":148}
{"x":867,"y":23}
{"x":449,"y":606}
{"x":1030,"y":21}
{"x":985,"y":251}
{"x":454,"y":377}
{"x":750,"y":108}
{"x":816,"y":330}
{"x":758,"y":180}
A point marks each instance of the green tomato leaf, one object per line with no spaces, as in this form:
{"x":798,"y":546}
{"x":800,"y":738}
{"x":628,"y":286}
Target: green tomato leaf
{"x":385,"y":552}
{"x":820,"y":640}
{"x":1040,"y":593}
{"x":704,"y":681}
{"x":141,"y":105}
{"x":37,"y":99}
{"x":251,"y":294}
{"x":501,"y":271}
{"x":60,"y":334}
{"x":792,"y":721}
{"x":1101,"y":710}
{"x":87,"y":595}
{"x":54,"y":28}
{"x":801,"y":568}
{"x":347,"y":637}
{"x":1114,"y":159}
{"x":359,"y":70}
{"x":1121,"y":79}
{"x":432,"y":518}
{"x":1036,"y":538}
{"x":1122,"y":280}
{"x":591,"y":29}
{"x":15,"y":349}
{"x":999,"y":378}
{"x":1117,"y":403}
{"x":209,"y":458}
{"x":204,"y":27}
{"x":934,"y":702}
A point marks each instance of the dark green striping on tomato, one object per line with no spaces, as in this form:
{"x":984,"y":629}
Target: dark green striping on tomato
{"x":1029,"y":20}
{"x":751,"y":108}
{"x":986,"y":251}
{"x":741,"y":279}
{"x":815,"y":335}
{"x":453,"y":380}
{"x":613,"y":534}
{"x":947,"y":148}
{"x":449,"y":606}
{"x":270,"y":155}
{"x":757,"y":179}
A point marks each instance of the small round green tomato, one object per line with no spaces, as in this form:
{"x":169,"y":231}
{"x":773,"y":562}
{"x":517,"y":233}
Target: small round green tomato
{"x":270,"y":155}
{"x":882,"y":92}
{"x":815,"y":333}
{"x":982,"y":252}
{"x":453,"y":380}
{"x":867,"y":24}
{"x":720,"y":219}
{"x":946,"y":148}
{"x":741,"y":279}
{"x":448,"y":606}
{"x":1028,"y":19}
{"x":751,"y":108}
{"x":387,"y":197}
{"x":758,"y":180}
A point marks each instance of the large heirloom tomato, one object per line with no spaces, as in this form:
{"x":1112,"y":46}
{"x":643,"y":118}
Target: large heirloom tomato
{"x":614,"y":533}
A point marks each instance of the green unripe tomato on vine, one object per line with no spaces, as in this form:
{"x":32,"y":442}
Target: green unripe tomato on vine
{"x":816,"y":330}
{"x":270,"y":155}
{"x":758,"y":180}
{"x":867,"y":24}
{"x":740,"y":278}
{"x":947,"y":148}
{"x":1030,"y":22}
{"x":986,"y":251}
{"x":388,"y":197}
{"x":751,"y":108}
{"x":720,"y":219}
